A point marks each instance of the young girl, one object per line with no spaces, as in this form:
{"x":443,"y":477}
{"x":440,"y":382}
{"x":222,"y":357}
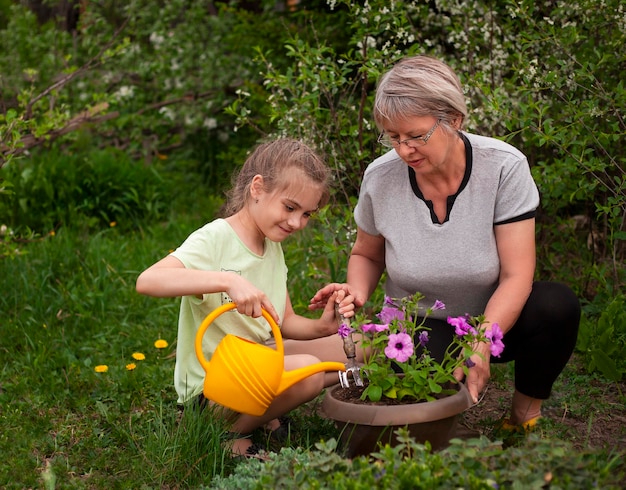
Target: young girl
{"x":240,"y":259}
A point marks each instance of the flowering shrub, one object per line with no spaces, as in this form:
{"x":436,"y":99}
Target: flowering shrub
{"x":389,"y":350}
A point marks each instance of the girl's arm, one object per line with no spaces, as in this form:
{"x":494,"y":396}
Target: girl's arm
{"x":170,"y":278}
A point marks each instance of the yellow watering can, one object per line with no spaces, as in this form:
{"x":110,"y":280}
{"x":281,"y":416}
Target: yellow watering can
{"x":245,"y":376}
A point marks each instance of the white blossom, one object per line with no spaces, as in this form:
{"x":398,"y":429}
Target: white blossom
{"x":167,"y":113}
{"x":210,"y":123}
{"x":125,"y":91}
{"x":156,"y":39}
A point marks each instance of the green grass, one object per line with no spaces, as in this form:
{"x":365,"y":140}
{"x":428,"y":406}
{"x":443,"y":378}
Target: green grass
{"x":68,"y":304}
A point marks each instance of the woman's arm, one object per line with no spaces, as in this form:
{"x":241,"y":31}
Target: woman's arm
{"x":366,"y":265}
{"x":516,"y":250}
{"x":170,"y":278}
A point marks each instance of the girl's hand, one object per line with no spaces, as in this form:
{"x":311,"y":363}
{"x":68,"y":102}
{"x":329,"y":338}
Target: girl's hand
{"x":337,"y":300}
{"x":249,"y":299}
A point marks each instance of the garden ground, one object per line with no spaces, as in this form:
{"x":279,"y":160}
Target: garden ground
{"x":588,"y":412}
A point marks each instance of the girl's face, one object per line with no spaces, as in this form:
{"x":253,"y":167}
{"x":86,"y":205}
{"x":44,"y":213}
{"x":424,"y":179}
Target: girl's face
{"x":287,"y":209}
{"x":425,"y":158}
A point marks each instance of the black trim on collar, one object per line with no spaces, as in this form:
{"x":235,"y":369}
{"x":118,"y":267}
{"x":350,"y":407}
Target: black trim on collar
{"x":450,"y":200}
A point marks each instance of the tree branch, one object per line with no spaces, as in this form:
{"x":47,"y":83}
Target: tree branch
{"x":29,"y":141}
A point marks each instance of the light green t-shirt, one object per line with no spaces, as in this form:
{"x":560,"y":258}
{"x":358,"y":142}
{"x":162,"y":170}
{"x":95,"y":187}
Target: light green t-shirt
{"x":217,"y":247}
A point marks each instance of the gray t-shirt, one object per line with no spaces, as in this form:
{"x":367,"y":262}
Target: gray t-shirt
{"x":455,"y":261}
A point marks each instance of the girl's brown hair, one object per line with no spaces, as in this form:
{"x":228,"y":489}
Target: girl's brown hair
{"x":274,"y":161}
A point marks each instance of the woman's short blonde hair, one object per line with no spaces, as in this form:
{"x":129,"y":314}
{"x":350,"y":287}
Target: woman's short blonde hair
{"x":419,"y":86}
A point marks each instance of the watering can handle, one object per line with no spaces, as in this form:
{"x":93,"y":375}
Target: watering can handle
{"x":223,"y":309}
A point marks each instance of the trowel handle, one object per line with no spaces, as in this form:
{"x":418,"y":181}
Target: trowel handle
{"x":348,"y":344}
{"x":348,"y":347}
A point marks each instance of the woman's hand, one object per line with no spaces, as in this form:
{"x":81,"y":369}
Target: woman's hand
{"x":323,"y":296}
{"x":479,"y":373}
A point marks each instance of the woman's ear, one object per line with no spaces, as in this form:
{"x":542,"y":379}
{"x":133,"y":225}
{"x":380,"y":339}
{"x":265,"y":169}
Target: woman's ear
{"x":257,"y":186}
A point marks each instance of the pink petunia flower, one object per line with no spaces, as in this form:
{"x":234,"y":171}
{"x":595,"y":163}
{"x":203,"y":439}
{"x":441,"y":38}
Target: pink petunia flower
{"x":390,"y":313}
{"x":438,"y":305}
{"x":389,"y":302}
{"x":400,"y":347}
{"x":344,"y":330}
{"x":374,"y":327}
{"x":495,"y":335}
{"x":461,"y":327}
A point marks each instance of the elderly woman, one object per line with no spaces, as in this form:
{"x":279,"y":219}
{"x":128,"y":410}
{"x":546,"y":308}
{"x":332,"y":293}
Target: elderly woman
{"x":452,"y":215}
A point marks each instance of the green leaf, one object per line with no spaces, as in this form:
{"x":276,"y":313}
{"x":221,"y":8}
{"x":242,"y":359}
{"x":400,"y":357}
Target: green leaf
{"x":605,"y":365}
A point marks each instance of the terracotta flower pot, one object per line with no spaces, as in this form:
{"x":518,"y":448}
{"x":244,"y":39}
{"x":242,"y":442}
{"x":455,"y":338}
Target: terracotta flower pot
{"x":364,"y":425}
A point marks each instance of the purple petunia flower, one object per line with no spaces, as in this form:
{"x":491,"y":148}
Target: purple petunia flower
{"x":461,"y":327}
{"x":390,"y":313}
{"x":439,"y":305}
{"x":400,"y":347}
{"x":495,"y":335}
{"x":423,"y":338}
{"x":344,"y":330}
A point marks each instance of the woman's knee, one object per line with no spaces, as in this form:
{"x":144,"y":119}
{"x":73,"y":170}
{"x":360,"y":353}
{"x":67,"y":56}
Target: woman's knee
{"x":555,"y":302}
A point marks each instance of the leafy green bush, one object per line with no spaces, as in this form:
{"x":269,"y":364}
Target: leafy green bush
{"x":97,"y":189}
{"x":547,"y":77}
{"x":473,"y":464}
{"x":603,"y":342}
{"x":156,"y":82}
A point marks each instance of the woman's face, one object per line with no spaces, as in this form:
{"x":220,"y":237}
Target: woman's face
{"x":409,"y":135}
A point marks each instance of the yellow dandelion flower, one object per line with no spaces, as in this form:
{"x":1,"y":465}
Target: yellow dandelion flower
{"x":161,"y":344}
{"x":138,"y":356}
{"x":101,"y":368}
{"x":131,"y":366}
{"x":52,"y":233}
{"x":113,"y":224}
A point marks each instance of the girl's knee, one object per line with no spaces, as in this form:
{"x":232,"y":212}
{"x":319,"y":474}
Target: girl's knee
{"x":310,"y":386}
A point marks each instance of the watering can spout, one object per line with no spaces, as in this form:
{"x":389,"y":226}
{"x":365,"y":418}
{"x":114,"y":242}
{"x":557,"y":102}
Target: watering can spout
{"x":294,"y":376}
{"x":245,"y":376}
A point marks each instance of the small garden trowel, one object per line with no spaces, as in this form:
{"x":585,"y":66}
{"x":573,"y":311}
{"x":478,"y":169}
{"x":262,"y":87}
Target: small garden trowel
{"x":350,"y":349}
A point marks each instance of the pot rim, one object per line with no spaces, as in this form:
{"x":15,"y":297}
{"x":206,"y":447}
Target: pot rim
{"x":385,"y":415}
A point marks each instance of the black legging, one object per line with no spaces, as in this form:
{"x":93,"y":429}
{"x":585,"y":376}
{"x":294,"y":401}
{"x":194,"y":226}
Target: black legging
{"x":541,"y":341}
